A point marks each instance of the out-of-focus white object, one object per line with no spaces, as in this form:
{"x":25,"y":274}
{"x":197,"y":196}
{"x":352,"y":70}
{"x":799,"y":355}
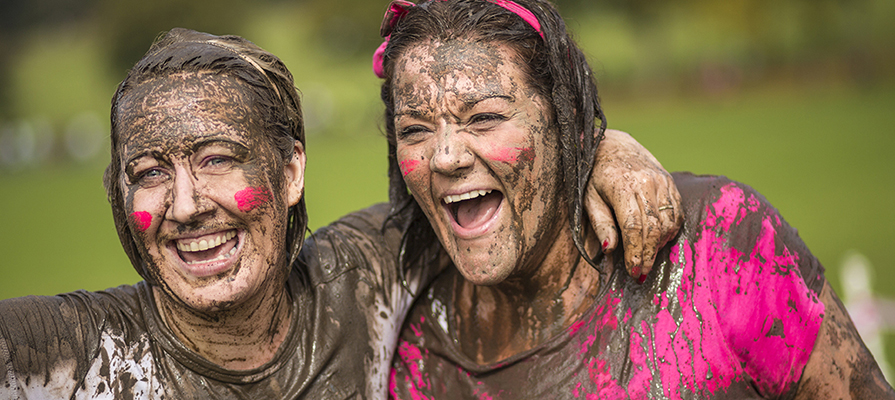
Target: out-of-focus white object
{"x":872,"y":315}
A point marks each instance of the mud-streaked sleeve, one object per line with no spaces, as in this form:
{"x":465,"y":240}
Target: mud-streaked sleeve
{"x":767,"y":283}
{"x":358,"y":255}
{"x":46,"y":344}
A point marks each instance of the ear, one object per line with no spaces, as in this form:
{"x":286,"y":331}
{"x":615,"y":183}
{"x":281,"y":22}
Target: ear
{"x":295,"y":175}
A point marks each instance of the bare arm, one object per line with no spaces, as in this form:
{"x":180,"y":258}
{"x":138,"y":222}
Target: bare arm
{"x":840,"y":366}
{"x":647,"y":205}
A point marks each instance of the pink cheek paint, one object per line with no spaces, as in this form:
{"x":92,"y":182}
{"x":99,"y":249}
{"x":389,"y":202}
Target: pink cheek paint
{"x":250,"y":198}
{"x":407,"y":166}
{"x":510,"y":155}
{"x":142,"y":220}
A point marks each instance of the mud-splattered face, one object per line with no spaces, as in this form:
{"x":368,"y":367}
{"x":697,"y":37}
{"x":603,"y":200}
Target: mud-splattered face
{"x":206,"y":209}
{"x":479,"y":152}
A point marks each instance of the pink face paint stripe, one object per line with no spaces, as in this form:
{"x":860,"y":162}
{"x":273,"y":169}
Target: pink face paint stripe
{"x":510,"y":155}
{"x":251,"y":197}
{"x":142,"y":220}
{"x":407,"y":166}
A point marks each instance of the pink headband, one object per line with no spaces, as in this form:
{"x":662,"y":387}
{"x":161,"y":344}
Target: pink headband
{"x":399,"y":8}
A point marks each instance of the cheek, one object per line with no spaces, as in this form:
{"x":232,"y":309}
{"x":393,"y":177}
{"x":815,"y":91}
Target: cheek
{"x":251,"y":198}
{"x":413,"y":167}
{"x":407,"y":166}
{"x":511,"y":155}
{"x":141,"y":220}
{"x":144,"y":208}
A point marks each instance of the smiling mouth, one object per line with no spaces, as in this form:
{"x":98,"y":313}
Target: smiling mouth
{"x":209,"y":248}
{"x":473,"y":209}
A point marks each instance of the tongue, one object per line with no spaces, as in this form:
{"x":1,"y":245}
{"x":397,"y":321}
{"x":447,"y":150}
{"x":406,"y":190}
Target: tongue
{"x":474,"y":212}
{"x":193,"y":256}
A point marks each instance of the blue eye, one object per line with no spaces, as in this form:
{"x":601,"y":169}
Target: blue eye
{"x":150,"y":177}
{"x":218,"y":161}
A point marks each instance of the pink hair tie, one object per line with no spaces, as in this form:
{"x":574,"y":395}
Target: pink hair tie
{"x":522,"y":12}
{"x":399,"y":8}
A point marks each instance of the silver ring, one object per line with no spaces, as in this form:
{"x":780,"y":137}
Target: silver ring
{"x":666,"y":208}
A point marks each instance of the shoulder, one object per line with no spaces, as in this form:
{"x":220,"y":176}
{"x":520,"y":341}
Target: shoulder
{"x":751,"y":268}
{"x":700,"y":191}
{"x":360,"y":240}
{"x":60,"y":335}
{"x":74,"y":308}
{"x":736,"y":216}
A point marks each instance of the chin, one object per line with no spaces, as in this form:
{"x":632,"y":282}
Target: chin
{"x":483,"y":276}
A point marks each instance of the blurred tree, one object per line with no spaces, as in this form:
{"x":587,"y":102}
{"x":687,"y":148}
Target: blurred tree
{"x":21,"y":18}
{"x":128,"y":26}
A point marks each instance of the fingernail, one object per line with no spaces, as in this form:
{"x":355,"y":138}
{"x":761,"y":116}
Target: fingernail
{"x":636,"y":270}
{"x":605,"y":244}
{"x":641,"y":279}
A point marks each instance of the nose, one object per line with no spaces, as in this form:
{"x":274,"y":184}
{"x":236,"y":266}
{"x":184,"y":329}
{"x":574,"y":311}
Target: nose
{"x":452,"y":154}
{"x":187,"y":203}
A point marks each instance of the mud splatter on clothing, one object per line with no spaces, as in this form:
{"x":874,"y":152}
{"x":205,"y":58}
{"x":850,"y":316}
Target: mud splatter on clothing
{"x":731,"y":311}
{"x":113,"y":343}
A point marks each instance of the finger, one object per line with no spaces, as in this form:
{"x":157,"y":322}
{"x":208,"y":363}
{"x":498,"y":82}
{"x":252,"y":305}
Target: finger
{"x":652,"y":233}
{"x":631,"y":219}
{"x":670,"y":213}
{"x":602,"y":221}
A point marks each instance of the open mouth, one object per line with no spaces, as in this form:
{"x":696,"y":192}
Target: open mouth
{"x":473,"y":209}
{"x":218,"y":246}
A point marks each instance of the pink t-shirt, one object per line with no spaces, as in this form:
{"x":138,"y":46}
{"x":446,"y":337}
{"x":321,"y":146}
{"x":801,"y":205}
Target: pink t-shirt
{"x":730,"y":311}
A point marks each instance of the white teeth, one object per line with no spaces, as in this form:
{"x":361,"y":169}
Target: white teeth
{"x":465,"y":196}
{"x":205,"y":244}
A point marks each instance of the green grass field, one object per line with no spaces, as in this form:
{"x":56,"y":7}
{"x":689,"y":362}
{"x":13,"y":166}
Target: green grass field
{"x":822,"y":156}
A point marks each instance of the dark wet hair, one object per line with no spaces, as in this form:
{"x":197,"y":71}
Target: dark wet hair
{"x":268,"y":82}
{"x":555,"y":66}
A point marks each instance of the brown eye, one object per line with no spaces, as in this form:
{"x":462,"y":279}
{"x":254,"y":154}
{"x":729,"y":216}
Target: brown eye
{"x":411,"y":131}
{"x":486,"y":118}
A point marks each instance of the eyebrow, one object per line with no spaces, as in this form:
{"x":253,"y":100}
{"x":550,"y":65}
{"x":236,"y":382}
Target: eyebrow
{"x":412,"y":113}
{"x":132,"y":162}
{"x":471,"y":101}
{"x":235,"y":145}
{"x":468,"y":102}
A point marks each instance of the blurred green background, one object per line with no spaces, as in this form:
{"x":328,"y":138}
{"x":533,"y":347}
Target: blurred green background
{"x":794,"y":97}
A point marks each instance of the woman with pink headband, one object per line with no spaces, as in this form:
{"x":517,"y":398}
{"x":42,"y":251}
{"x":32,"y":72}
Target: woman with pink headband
{"x":206,"y":187}
{"x":490,"y":111}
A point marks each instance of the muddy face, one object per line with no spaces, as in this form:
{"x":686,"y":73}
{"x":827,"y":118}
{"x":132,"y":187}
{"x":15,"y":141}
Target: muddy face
{"x":207,"y":209}
{"x":479,"y":153}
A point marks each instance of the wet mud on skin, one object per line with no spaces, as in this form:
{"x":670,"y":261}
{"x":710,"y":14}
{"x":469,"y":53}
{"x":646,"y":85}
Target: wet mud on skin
{"x":150,"y":114}
{"x":530,"y":299}
{"x":185,"y":123}
{"x":840,"y":356}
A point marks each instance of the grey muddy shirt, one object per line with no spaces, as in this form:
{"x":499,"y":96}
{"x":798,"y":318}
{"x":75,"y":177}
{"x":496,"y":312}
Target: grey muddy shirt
{"x":347,"y":310}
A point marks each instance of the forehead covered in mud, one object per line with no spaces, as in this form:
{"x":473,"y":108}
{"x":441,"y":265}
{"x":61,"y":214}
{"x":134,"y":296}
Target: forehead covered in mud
{"x":461,"y":70}
{"x":185,"y":108}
